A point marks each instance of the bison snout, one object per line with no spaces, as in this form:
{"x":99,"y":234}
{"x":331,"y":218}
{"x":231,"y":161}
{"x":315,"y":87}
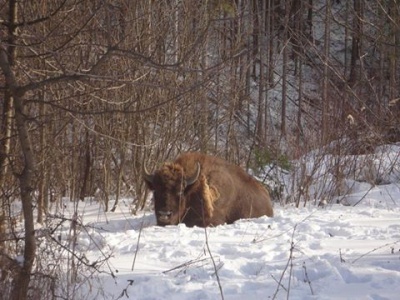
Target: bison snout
{"x":164,"y":216}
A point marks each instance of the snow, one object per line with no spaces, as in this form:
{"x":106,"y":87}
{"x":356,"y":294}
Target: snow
{"x":348,"y":248}
{"x":331,"y":252}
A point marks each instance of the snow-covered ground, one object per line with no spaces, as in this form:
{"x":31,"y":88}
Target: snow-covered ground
{"x":341,"y":251}
{"x":336,"y":252}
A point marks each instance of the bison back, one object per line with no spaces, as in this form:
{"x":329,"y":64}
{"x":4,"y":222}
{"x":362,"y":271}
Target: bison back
{"x":239,"y":194}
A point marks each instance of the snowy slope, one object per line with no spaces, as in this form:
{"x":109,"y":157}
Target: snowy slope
{"x":336,"y":252}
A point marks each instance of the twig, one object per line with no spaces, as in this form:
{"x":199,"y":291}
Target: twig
{"x":306,"y":278}
{"x":81,"y":259}
{"x":375,"y":249}
{"x":214,"y":264}
{"x":219,"y":267}
{"x":186,"y":264}
{"x":125,"y":290}
{"x":260,"y":240}
{"x":291,"y":267}
{"x":364,"y":196}
{"x":280,"y":280}
{"x":289,"y":262}
{"x":279,"y":283}
{"x":137,"y":244}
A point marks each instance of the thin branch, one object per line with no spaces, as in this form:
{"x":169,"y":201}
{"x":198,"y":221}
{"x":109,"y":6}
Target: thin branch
{"x":36,"y":21}
{"x":214,"y":264}
{"x":137,"y":243}
{"x":289,"y":263}
{"x":374,"y":250}
{"x":306,"y":278}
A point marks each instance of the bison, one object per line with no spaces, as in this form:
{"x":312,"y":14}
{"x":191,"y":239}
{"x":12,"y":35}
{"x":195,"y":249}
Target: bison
{"x":202,"y":190}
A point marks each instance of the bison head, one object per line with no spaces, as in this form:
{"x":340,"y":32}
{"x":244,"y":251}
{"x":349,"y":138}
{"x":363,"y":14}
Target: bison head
{"x":170,"y":185}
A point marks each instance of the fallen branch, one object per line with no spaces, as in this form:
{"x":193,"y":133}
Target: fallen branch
{"x":216,"y":268}
{"x":306,"y":278}
{"x":186,"y":264}
{"x":373,"y":250}
{"x":289,"y":263}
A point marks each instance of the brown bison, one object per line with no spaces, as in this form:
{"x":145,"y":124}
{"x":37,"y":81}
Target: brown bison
{"x":202,"y":190}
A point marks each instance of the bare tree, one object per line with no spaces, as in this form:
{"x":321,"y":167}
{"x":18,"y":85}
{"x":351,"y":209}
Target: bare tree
{"x":95,"y":90}
{"x":356,"y":40}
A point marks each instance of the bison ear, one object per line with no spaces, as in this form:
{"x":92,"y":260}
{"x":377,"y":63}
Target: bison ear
{"x":148,"y":178}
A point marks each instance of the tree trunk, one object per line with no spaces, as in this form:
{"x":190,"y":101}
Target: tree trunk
{"x":285,"y":45}
{"x":5,"y":138}
{"x":22,"y":279}
{"x":309,"y":19}
{"x":355,"y":46}
{"x":43,"y":176}
{"x":325,"y":99}
{"x":21,"y":282}
{"x":394,"y":42}
{"x":262,"y":105}
{"x":120,"y":167}
{"x":85,"y":190}
{"x":8,"y":111}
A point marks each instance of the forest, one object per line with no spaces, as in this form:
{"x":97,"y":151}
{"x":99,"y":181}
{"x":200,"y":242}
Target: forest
{"x":91,"y":92}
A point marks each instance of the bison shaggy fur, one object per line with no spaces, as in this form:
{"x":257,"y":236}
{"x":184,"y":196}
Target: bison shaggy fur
{"x":202,"y":190}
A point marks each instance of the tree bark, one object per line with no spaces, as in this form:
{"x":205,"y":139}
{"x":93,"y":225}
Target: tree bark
{"x":355,"y":46}
{"x":22,"y":279}
{"x":26,"y":184}
{"x":325,"y":94}
{"x":8,"y":109}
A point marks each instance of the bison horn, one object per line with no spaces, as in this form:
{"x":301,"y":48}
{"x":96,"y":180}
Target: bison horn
{"x":147,"y":176}
{"x":193,"y":179}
